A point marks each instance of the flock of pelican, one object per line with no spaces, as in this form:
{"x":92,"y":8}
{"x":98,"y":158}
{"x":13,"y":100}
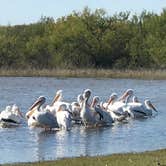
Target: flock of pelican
{"x":61,"y":115}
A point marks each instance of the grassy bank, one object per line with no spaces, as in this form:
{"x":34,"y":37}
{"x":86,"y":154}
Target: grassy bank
{"x":102,"y":73}
{"x":154,"y":158}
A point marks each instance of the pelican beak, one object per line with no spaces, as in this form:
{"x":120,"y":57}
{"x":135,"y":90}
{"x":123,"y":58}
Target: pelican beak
{"x":108,"y":103}
{"x":110,"y":100}
{"x":56,"y":98}
{"x":20,"y":113}
{"x":152,"y":106}
{"x":29,"y":113}
{"x":93,"y":102}
{"x":59,"y":109}
{"x":123,"y":96}
{"x":129,"y":92}
{"x":39,"y":101}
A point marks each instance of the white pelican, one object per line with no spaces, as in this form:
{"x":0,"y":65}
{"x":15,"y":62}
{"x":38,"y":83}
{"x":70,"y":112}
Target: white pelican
{"x":11,"y":116}
{"x":63,"y":117}
{"x":115,"y":116}
{"x":138,"y":110}
{"x":38,"y":117}
{"x":57,"y":102}
{"x":111,"y":100}
{"x":73,"y":108}
{"x":127,"y":93}
{"x":118,"y":106}
{"x":53,"y":107}
{"x":104,"y":116}
{"x":75,"y":111}
{"x":86,"y":113}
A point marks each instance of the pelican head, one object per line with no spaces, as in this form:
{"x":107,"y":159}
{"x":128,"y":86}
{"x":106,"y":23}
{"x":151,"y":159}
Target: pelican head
{"x":150,"y":105}
{"x":59,"y":95}
{"x":112,"y":98}
{"x":128,"y":92}
{"x":75,"y":108}
{"x":95,"y":101}
{"x":80,"y":98}
{"x":59,"y":92}
{"x":62,"y":107}
{"x":135,"y":99}
{"x":41,"y":100}
{"x":87,"y":93}
{"x":16,"y":110}
{"x":15,"y":107}
{"x":75,"y":104}
{"x":8,"y":108}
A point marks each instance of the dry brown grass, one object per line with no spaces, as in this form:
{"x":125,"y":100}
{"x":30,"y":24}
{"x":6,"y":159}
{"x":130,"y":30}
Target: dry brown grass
{"x":98,"y":73}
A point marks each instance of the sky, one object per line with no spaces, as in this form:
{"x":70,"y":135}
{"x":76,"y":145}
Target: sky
{"x":16,"y":12}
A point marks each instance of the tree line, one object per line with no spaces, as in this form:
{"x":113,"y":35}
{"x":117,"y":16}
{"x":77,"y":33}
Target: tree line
{"x":87,"y":39}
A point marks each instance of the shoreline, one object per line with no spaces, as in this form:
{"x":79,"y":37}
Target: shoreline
{"x":88,"y":73}
{"x":157,"y":157}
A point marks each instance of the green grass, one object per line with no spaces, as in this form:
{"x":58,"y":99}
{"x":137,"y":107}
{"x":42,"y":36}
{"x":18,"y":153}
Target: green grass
{"x":97,"y":73}
{"x":154,"y":158}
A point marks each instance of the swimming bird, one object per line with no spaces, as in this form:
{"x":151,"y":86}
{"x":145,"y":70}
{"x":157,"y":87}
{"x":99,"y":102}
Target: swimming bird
{"x":139,"y":110}
{"x":86,"y":113}
{"x":114,"y":115}
{"x":118,"y":106}
{"x":11,"y":116}
{"x":110,"y":101}
{"x":39,"y":117}
{"x":105,"y":117}
{"x":75,"y":108}
{"x":75,"y":112}
{"x":63,"y":117}
{"x":57,"y":101}
{"x":127,"y":93}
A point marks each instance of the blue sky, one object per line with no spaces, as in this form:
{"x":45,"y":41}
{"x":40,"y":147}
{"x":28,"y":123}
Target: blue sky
{"x":28,"y":11}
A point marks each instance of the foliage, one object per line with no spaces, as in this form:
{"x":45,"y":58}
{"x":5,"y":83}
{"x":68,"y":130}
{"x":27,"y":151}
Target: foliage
{"x":87,"y":40}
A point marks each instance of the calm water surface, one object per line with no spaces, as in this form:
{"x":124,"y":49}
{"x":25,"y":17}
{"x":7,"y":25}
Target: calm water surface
{"x":24,"y":144}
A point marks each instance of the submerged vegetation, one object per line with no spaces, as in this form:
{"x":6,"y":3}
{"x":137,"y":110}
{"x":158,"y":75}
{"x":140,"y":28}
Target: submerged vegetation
{"x":154,"y":158}
{"x":87,"y":39}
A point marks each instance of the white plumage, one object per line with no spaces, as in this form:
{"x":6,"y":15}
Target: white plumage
{"x":11,"y":116}
{"x":139,"y":110}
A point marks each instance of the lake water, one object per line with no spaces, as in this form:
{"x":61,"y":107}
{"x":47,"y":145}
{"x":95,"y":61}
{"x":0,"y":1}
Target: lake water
{"x":23,"y":144}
